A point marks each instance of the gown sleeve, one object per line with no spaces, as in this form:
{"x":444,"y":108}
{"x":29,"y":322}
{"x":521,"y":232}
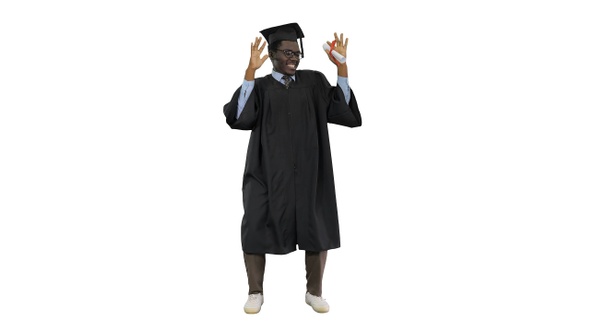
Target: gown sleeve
{"x":247,"y":119}
{"x":339,"y":112}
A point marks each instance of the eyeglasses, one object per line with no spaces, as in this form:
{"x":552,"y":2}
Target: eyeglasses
{"x":290,"y":54}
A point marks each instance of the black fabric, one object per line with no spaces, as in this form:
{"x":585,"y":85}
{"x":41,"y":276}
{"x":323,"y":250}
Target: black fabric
{"x":288,"y":186}
{"x":290,"y":31}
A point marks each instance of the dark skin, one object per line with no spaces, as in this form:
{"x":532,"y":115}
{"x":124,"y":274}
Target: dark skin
{"x":284,"y":65}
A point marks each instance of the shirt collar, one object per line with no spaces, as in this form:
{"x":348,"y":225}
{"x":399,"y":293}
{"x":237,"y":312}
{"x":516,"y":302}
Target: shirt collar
{"x":278,"y":76}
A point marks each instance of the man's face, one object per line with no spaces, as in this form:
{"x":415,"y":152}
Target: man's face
{"x":281,"y":62}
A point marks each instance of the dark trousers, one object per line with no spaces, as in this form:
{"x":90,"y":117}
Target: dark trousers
{"x":315,"y":262}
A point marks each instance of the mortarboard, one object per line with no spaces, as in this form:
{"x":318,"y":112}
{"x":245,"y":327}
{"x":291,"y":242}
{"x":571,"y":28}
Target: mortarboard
{"x":290,"y":31}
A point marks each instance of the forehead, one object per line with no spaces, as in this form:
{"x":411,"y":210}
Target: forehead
{"x":290,"y":45}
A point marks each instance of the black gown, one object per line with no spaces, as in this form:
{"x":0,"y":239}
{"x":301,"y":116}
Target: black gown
{"x":288,"y":187}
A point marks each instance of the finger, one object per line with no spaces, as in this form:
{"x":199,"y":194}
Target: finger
{"x":338,"y":39}
{"x":346,"y":43}
{"x":262,"y":47}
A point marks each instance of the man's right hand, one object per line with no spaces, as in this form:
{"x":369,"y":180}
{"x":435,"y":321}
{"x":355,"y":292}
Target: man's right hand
{"x":256,"y":60}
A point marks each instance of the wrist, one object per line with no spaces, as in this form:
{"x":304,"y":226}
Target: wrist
{"x":343,"y":70}
{"x":249,"y":75}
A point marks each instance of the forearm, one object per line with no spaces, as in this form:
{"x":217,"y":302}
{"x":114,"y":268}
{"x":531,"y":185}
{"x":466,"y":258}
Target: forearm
{"x":249,"y":76}
{"x":342,"y":82}
{"x":343,"y":70}
{"x":245,"y":91}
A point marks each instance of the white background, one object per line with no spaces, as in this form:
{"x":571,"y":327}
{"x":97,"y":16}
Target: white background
{"x":464,"y":197}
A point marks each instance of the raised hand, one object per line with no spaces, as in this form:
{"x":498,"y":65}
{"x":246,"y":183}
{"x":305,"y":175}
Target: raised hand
{"x":340,"y":47}
{"x":256,"y":60}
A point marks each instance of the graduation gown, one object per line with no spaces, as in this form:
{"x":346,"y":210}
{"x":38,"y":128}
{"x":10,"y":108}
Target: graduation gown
{"x":288,"y":186}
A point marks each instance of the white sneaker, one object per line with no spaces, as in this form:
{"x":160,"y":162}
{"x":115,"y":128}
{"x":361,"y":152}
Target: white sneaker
{"x":318,"y":303}
{"x":254,"y":303}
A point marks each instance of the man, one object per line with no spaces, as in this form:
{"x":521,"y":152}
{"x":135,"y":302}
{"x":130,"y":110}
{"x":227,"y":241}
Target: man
{"x":288,"y":187}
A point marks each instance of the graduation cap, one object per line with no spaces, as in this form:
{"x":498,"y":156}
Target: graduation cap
{"x":290,"y":31}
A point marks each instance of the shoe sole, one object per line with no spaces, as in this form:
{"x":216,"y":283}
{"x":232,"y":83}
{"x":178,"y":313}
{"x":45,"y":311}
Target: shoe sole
{"x":319,"y":310}
{"x":251,"y":311}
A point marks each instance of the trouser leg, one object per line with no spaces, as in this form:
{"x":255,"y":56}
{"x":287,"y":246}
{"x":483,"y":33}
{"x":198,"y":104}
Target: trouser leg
{"x":255,"y":264}
{"x":315,"y":262}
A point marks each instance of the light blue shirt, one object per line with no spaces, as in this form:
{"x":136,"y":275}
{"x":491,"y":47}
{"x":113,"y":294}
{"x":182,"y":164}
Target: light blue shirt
{"x":248,"y":86}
